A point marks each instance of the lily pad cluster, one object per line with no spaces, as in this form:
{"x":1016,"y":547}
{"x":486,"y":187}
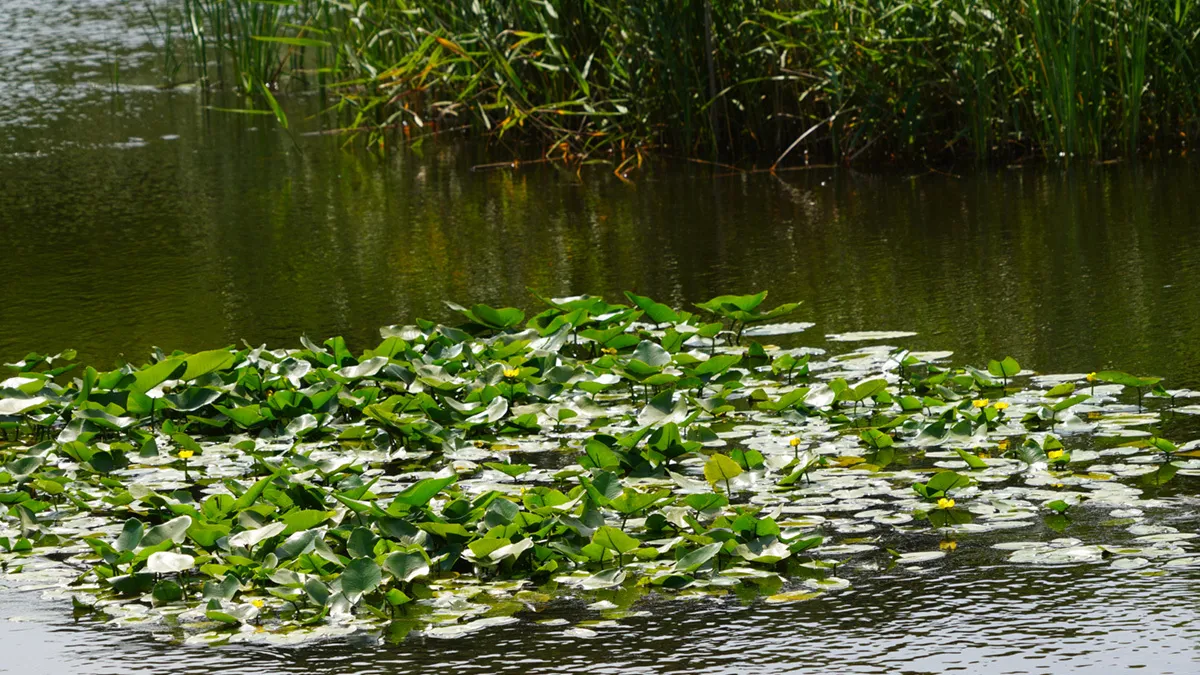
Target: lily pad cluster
{"x":458,"y":477}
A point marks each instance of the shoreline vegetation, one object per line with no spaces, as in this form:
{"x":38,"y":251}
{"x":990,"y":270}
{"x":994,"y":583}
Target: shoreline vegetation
{"x":796,"y":82}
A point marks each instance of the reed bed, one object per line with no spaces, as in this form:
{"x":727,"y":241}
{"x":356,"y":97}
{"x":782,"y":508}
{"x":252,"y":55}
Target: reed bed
{"x":841,"y":80}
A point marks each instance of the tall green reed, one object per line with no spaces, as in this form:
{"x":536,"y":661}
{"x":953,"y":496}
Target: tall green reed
{"x":848,"y":79}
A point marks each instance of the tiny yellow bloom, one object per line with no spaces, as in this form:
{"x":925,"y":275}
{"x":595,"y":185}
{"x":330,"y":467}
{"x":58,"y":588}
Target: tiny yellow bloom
{"x":948,"y":544}
{"x":257,"y":603}
{"x":1054,"y":454}
{"x":609,"y":350}
{"x":512,"y":372}
{"x":1001,"y":405}
{"x":980,"y":403}
{"x":1057,"y":485}
{"x":1091,"y":377}
{"x":185,"y":454}
{"x":1003,"y":444}
{"x":794,"y":442}
{"x":945,"y":503}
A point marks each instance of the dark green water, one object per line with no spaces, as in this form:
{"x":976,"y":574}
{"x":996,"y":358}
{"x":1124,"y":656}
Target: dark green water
{"x":230,"y":233}
{"x":138,"y":218}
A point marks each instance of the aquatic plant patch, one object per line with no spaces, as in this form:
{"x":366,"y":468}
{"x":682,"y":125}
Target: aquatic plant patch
{"x":457,"y":478}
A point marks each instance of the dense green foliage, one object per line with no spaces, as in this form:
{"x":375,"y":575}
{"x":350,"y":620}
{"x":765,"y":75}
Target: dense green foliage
{"x":483,"y":470}
{"x":854,"y":78}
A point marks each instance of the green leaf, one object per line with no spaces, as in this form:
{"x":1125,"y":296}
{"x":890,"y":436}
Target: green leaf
{"x":1162,"y":445}
{"x":406,"y":566}
{"x":360,"y":577}
{"x":656,"y":312}
{"x":152,"y":376}
{"x":304,"y":519}
{"x":223,"y":617}
{"x":203,"y":363}
{"x":361,"y":543}
{"x":483,"y":548}
{"x":280,"y":116}
{"x":247,"y":499}
{"x":21,"y":404}
{"x":971,"y":460}
{"x":498,"y":319}
{"x":717,"y":364}
{"x":167,"y":591}
{"x":244,"y":416}
{"x":510,"y":470}
{"x":317,"y":591}
{"x":1061,"y":390}
{"x":1068,"y":402}
{"x":863,"y":390}
{"x":949,"y":517}
{"x":947,"y":480}
{"x":696,"y":558}
{"x":297,"y":544}
{"x":726,"y":303}
{"x":614,"y":539}
{"x":174,"y":530}
{"x":132,"y":584}
{"x":206,"y":535}
{"x":721,"y":468}
{"x":597,"y":455}
{"x":131,"y":535}
{"x":631,"y":501}
{"x":876,"y":439}
{"x":1058,"y":506}
{"x":395,"y":597}
{"x":705,"y":501}
{"x":1007,"y":368}
{"x":418,"y":494}
{"x":1118,"y":377}
{"x":293,"y":41}
{"x":603,"y":489}
{"x":1161,"y":475}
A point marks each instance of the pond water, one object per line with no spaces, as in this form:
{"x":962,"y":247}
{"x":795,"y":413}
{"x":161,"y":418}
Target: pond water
{"x":136,"y":217}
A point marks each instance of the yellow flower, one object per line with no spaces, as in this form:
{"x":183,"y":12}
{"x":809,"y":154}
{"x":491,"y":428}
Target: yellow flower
{"x":185,"y":454}
{"x":794,"y":442}
{"x":980,"y":403}
{"x":609,"y":350}
{"x":1091,"y":377}
{"x":1003,"y":444}
{"x":1001,"y":405}
{"x":1057,"y":485}
{"x":257,"y":603}
{"x":1054,"y":454}
{"x":948,"y":544}
{"x":945,"y":503}
{"x":512,"y":372}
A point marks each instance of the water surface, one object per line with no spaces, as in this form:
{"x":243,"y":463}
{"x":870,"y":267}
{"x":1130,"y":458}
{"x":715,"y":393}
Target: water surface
{"x":133,"y":217}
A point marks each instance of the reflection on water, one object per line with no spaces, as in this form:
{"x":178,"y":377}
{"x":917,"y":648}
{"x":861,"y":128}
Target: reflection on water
{"x":209,"y":239}
{"x":141,"y":219}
